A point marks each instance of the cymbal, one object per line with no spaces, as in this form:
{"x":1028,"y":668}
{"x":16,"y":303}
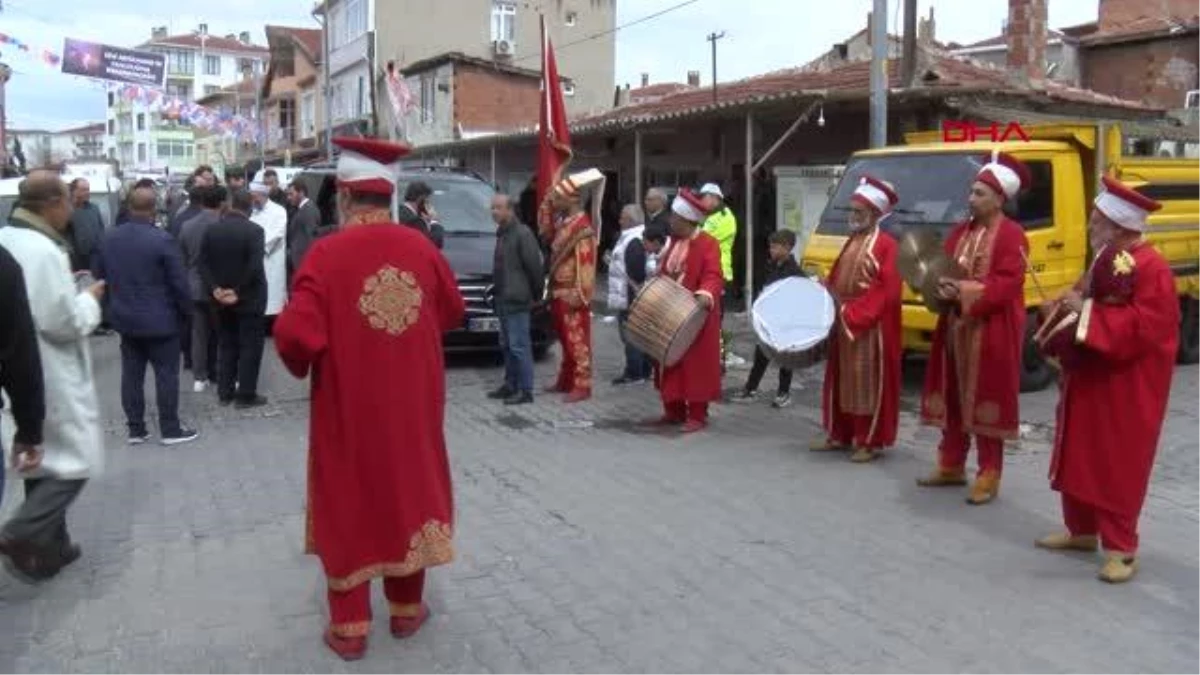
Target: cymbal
{"x":917,"y":247}
{"x":939,"y":267}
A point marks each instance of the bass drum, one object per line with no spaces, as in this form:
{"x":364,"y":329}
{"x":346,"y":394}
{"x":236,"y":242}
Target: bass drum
{"x":664,"y":320}
{"x":792,"y":319}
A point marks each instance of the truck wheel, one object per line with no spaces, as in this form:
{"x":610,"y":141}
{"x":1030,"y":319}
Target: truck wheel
{"x":1189,"y":331}
{"x":1036,"y":372}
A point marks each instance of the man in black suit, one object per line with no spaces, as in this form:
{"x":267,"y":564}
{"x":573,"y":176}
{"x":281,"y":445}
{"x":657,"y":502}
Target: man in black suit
{"x":417,"y":211}
{"x":231,"y":266}
{"x":304,"y":226}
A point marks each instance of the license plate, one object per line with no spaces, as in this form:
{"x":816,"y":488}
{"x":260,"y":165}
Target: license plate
{"x":484,"y":325}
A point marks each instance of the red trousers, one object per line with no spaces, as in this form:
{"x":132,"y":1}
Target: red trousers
{"x":574,"y":328}
{"x":952,"y":452}
{"x":1118,"y":533}
{"x":852,"y":430}
{"x":350,"y":611}
{"x":683,"y":411}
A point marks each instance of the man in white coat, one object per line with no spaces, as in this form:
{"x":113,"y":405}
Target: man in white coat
{"x":36,"y":538}
{"x":273,"y":219}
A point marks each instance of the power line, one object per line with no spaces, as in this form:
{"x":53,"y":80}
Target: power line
{"x":610,"y":31}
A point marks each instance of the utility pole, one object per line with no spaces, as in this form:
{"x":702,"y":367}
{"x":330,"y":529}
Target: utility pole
{"x":879,"y":74}
{"x":910,"y":44}
{"x":713,"y":37}
{"x":327,"y":89}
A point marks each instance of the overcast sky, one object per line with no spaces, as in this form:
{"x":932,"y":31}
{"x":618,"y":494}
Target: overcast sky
{"x":761,"y":35}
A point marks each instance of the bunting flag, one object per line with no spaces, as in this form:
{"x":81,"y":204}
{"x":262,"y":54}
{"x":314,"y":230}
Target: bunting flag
{"x":217,"y":120}
{"x":400,"y":97}
{"x":554,"y":138}
{"x":46,"y":56}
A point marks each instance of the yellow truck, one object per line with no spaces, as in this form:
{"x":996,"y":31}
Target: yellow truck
{"x":933,"y":178}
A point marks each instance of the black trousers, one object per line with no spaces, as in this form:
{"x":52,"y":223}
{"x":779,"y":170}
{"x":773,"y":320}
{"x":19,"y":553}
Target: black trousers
{"x":185,"y":341}
{"x":162,"y":354}
{"x":241,"y":337}
{"x":760,"y":368}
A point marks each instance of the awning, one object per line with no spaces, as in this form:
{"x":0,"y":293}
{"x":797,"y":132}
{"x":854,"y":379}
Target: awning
{"x":1156,"y":129}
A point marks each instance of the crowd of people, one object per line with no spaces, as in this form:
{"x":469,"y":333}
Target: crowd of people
{"x":368,"y":308}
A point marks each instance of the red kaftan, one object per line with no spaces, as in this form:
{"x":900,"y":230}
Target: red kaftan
{"x":696,"y":264}
{"x":861,"y":393}
{"x":981,"y":341}
{"x":572,"y":284}
{"x":1115,"y":397}
{"x":366,"y":315}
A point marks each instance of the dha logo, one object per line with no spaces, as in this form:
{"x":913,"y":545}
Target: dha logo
{"x":969,"y":132}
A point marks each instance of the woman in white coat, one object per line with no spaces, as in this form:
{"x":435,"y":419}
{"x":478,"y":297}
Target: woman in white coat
{"x":72,"y":449}
{"x":273,"y":219}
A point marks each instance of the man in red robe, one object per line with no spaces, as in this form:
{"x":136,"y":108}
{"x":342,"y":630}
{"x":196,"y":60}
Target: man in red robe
{"x":973,"y":378}
{"x":573,"y":280}
{"x":861,"y":393}
{"x":366,"y":316}
{"x":693,"y":259}
{"x":1125,"y":351}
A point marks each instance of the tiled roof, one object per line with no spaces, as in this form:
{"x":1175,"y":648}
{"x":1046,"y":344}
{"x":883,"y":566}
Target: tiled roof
{"x":211,"y":43}
{"x":309,"y":39}
{"x":1149,"y":27}
{"x":655,"y":91}
{"x":945,"y":76}
{"x":459,"y":57}
{"x":1001,"y":40}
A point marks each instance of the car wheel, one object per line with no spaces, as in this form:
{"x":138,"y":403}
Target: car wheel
{"x":1036,"y":372}
{"x":1189,"y":331}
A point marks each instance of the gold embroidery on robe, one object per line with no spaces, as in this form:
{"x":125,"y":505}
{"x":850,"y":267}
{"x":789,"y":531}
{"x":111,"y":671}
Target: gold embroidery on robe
{"x":430,"y":546}
{"x":391,"y":300}
{"x":858,"y":355}
{"x":965,"y":334}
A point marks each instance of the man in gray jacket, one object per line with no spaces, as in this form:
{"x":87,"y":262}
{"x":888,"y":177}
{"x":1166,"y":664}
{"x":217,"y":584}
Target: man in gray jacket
{"x":518,"y":279}
{"x":211,"y":199}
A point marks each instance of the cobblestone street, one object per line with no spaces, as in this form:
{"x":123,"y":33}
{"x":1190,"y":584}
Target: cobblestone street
{"x":588,"y":545}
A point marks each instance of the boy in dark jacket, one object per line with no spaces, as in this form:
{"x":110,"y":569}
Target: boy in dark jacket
{"x":782,"y":264}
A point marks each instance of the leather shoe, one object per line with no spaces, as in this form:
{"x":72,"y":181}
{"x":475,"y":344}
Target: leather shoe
{"x":500,"y":393}
{"x":520,"y":398}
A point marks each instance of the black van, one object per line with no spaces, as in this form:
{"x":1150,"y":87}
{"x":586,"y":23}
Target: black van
{"x":463,"y":202}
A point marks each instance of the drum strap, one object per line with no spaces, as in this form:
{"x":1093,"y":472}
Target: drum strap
{"x":568,"y":248}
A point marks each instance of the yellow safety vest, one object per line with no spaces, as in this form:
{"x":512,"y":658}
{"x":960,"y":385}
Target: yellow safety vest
{"x":722,"y":225}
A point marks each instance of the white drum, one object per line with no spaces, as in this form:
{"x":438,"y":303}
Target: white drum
{"x":792,"y":319}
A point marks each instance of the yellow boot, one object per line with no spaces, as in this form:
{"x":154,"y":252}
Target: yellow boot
{"x":827,"y":445}
{"x":1064,"y":541}
{"x":864,"y":455}
{"x":943,"y":477}
{"x":985,"y":488}
{"x":1118,"y":568}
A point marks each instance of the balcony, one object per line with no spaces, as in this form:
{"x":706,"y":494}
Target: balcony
{"x":281,"y":138}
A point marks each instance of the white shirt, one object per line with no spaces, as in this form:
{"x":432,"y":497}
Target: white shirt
{"x":272,"y":218}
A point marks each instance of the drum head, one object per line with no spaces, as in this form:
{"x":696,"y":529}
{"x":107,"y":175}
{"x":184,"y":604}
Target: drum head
{"x":793,"y":314}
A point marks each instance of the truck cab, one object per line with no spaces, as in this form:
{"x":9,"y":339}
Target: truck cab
{"x":933,"y":179}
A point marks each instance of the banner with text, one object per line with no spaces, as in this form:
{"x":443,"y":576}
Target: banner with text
{"x":115,"y":64}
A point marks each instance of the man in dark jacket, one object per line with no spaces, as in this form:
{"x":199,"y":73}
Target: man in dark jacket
{"x":148,"y":301}
{"x":417,"y":212}
{"x":211,"y":199}
{"x":87,"y":225}
{"x":518,"y":278}
{"x":782,"y":264}
{"x":657,"y":214}
{"x":231,"y":264}
{"x":20,"y":365}
{"x":304,"y":226}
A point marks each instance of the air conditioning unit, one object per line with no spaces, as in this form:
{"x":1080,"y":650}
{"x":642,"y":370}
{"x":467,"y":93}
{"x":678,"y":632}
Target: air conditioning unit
{"x":503,"y":48}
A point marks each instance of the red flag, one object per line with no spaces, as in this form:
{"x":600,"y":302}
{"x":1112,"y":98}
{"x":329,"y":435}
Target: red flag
{"x":554,"y":139}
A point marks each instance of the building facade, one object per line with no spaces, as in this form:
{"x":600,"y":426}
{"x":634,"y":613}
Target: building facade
{"x":506,"y":32}
{"x":291,"y":94}
{"x":198,"y":65}
{"x":44,"y":148}
{"x":221,"y":151}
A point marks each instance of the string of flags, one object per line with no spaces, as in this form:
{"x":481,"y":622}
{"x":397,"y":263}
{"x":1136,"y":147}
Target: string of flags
{"x":217,"y":120}
{"x":220,"y":120}
{"x":46,"y":56}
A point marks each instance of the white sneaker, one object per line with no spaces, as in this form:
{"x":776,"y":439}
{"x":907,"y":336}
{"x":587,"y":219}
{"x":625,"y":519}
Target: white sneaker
{"x":199,"y":386}
{"x":782,"y":401}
